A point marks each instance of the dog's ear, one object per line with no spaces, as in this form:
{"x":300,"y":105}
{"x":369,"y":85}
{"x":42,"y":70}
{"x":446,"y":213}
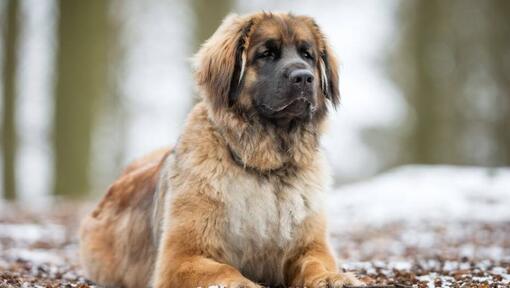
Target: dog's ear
{"x":219,"y":64}
{"x":328,"y":66}
{"x":329,"y":74}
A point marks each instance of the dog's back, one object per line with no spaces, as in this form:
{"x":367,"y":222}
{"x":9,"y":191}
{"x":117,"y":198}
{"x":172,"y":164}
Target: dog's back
{"x":120,"y":222}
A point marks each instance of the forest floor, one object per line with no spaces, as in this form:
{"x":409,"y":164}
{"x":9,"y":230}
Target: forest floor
{"x":41,"y":250}
{"x":410,"y":227}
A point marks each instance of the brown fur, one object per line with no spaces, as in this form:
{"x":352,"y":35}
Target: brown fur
{"x":238,"y":201}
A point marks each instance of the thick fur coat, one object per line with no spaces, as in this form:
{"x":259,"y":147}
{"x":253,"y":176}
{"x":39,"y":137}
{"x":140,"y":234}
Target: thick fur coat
{"x":238,"y":201}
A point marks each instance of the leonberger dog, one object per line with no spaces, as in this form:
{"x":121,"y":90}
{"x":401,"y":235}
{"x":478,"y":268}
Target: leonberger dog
{"x":237,"y":202}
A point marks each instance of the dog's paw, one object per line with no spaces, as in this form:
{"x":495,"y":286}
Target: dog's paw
{"x":236,"y":284}
{"x":243,"y":285}
{"x":333,"y":280}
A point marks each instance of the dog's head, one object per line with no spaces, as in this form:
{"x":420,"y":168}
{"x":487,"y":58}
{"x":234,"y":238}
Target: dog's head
{"x":277,"y":66}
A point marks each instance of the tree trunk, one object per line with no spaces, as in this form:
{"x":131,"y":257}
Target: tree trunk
{"x":81,"y":81}
{"x":499,"y":47}
{"x":9,"y":101}
{"x":208,"y":16}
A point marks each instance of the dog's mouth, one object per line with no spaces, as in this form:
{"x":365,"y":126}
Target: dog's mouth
{"x":300,"y":106}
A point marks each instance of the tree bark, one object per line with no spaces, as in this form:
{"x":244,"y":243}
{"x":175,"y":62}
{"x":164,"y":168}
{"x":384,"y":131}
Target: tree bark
{"x":208,"y":16}
{"x":9,"y":101}
{"x":81,"y":81}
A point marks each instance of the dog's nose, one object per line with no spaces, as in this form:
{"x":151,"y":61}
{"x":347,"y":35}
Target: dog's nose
{"x":301,"y":78}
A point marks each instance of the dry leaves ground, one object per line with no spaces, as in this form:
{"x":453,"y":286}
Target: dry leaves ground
{"x":39,"y":249}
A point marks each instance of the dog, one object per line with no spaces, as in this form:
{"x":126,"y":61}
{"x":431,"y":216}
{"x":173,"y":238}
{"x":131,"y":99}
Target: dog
{"x":237,"y":202}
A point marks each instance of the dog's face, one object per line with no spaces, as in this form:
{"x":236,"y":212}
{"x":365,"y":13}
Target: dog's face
{"x":282,"y":69}
{"x":278,"y":66}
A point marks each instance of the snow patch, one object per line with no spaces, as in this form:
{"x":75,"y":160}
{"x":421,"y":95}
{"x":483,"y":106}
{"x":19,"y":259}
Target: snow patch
{"x":35,"y":256}
{"x":423,"y":193}
{"x":30,"y":233}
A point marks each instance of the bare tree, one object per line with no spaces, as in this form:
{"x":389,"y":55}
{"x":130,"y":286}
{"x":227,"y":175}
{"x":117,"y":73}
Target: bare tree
{"x":81,"y":81}
{"x":452,"y":64}
{"x":208,"y":16}
{"x":9,"y":101}
{"x":499,"y":47}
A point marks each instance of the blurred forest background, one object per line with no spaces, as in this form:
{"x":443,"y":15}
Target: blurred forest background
{"x":88,"y":86}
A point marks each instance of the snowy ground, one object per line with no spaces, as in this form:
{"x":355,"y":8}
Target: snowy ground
{"x":425,"y":193}
{"x":435,"y":226}
{"x":415,"y":226}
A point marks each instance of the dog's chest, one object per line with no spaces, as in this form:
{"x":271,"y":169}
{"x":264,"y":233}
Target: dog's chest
{"x":261,"y":213}
{"x":262,"y":219}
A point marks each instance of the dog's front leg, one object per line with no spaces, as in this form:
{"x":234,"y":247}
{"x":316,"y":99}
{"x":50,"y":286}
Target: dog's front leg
{"x":198,"y":271}
{"x":185,"y":255}
{"x":314,"y":266}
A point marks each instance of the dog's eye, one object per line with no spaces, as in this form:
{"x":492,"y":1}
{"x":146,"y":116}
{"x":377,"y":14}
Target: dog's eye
{"x":307,"y":55}
{"x":267,"y":54}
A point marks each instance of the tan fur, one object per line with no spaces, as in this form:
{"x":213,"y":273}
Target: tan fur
{"x":197,"y":216}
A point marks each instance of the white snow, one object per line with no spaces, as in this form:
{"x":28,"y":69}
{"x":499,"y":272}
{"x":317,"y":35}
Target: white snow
{"x":30,"y":233}
{"x":418,"y":193}
{"x":35,"y":256}
{"x":26,"y":236}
